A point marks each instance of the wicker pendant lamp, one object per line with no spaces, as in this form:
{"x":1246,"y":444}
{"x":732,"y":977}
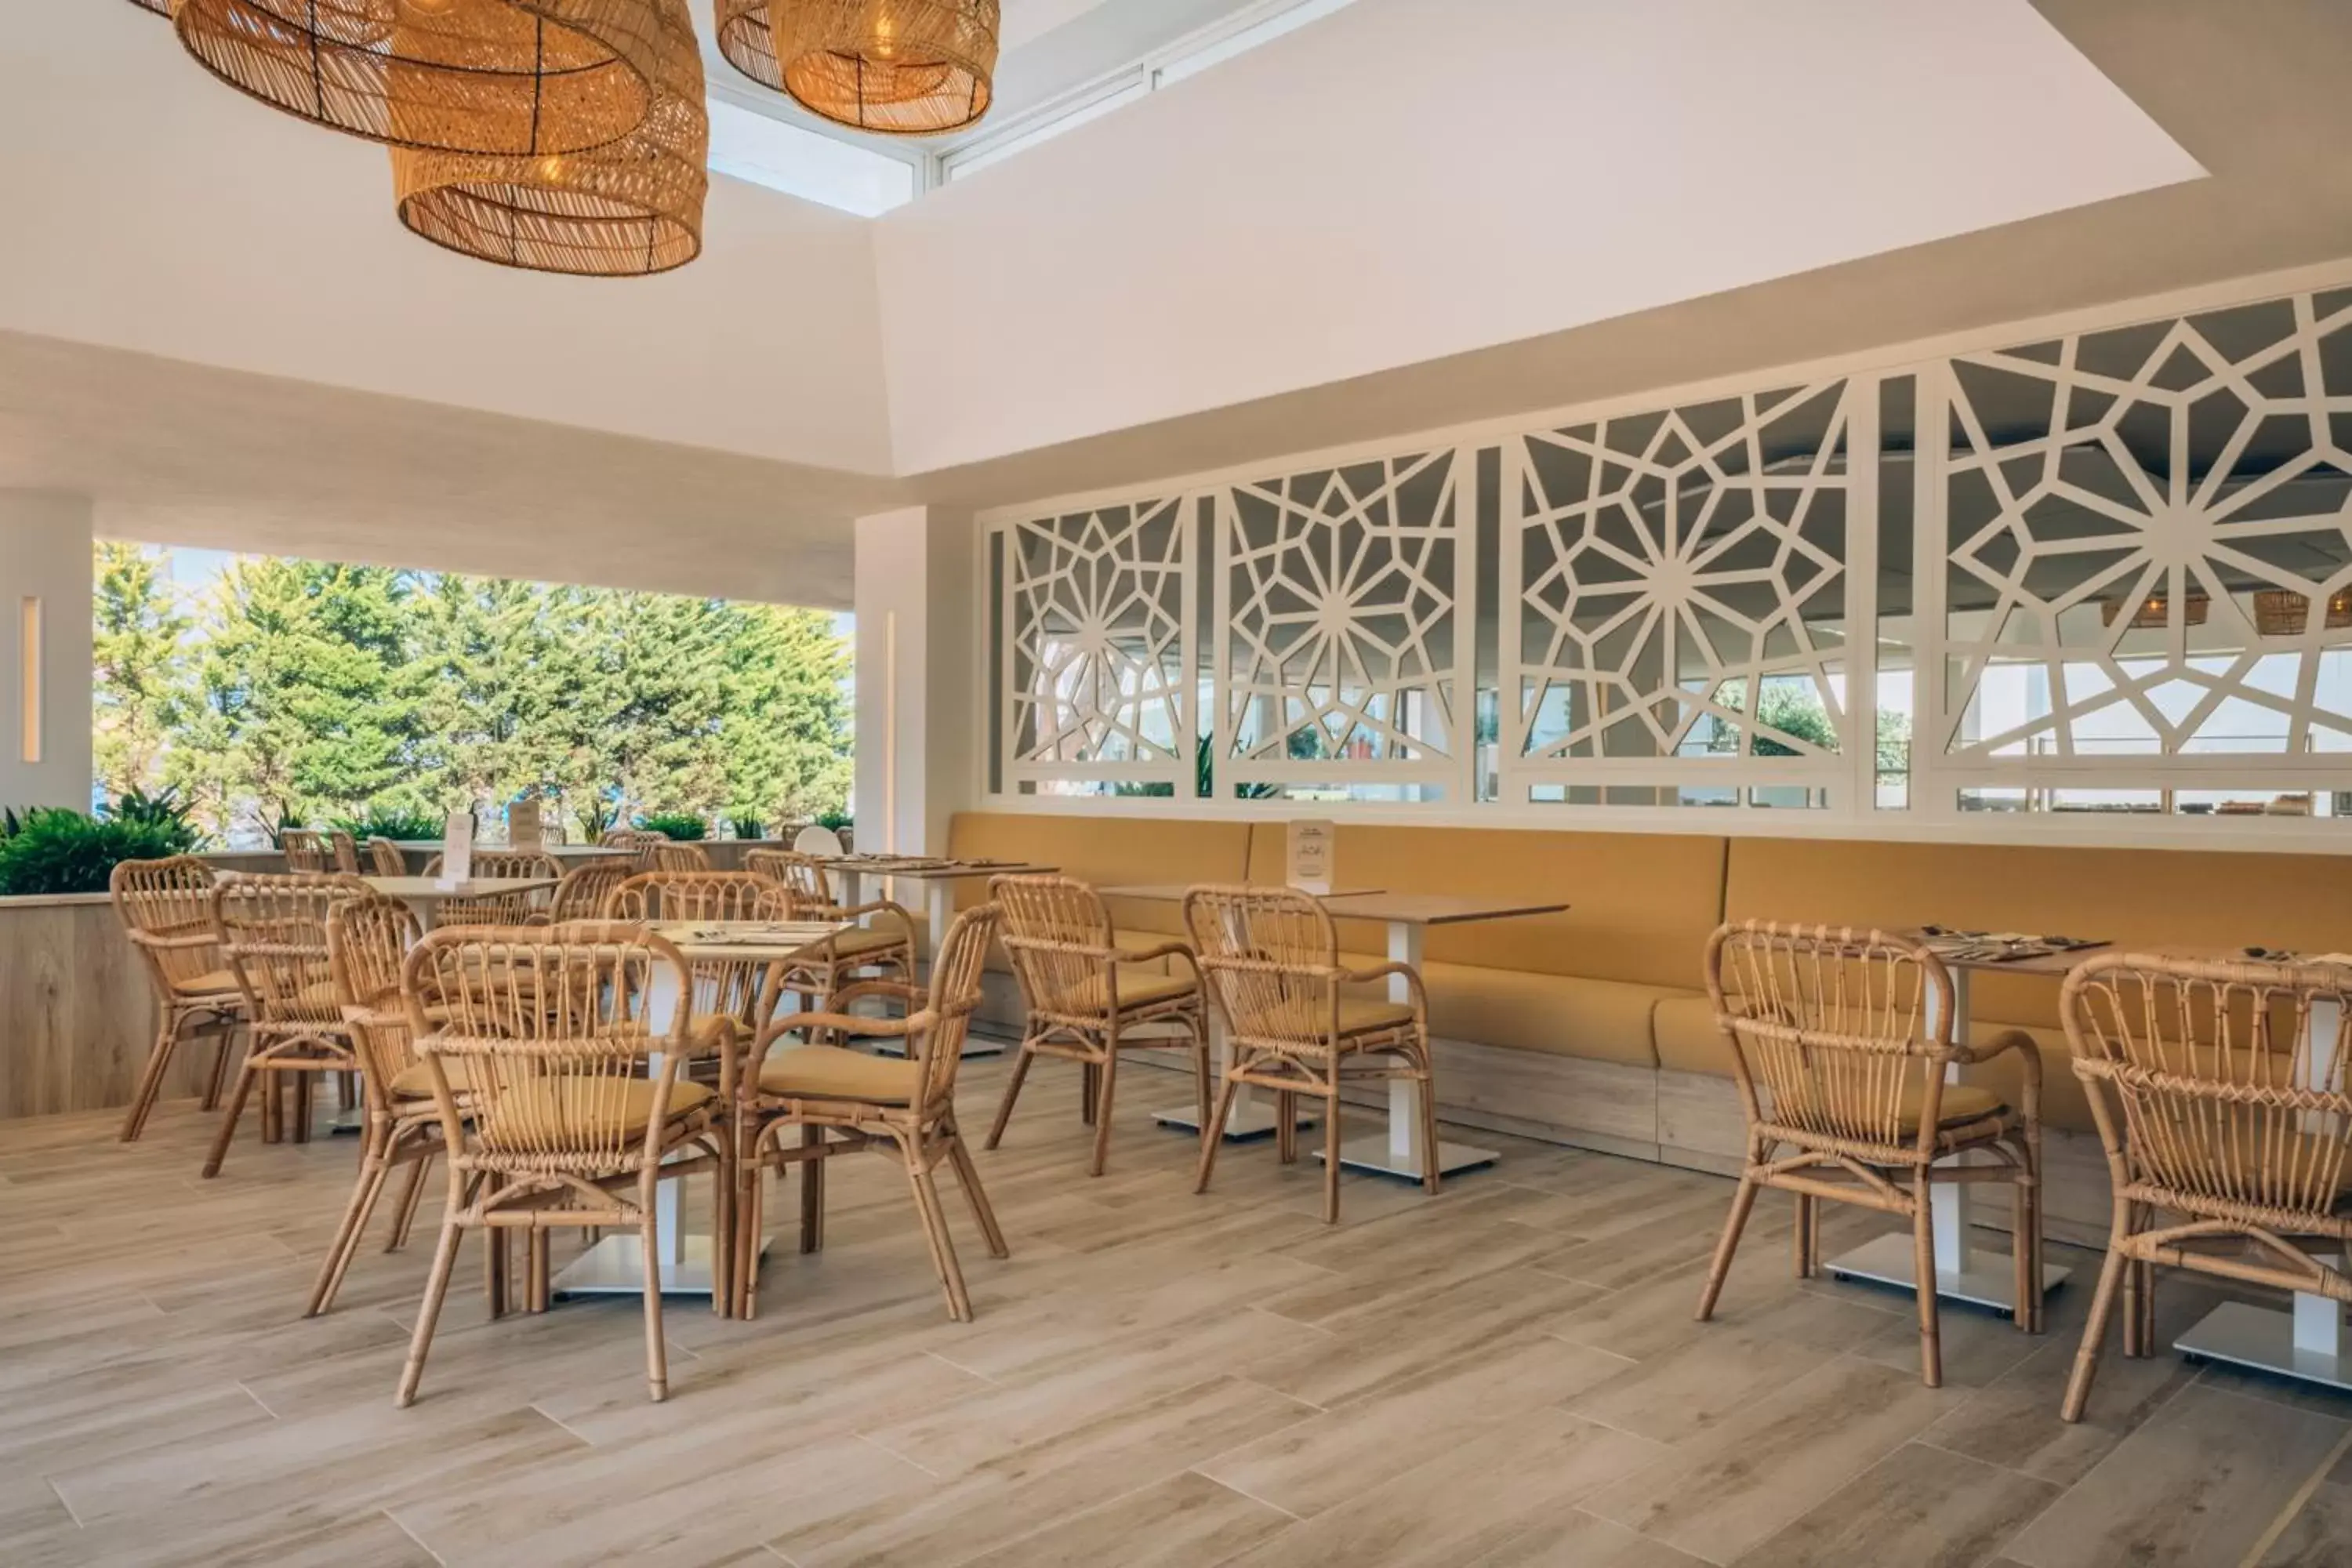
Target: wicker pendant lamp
{"x":519,"y":77}
{"x":626,"y":210}
{"x":902,"y":68}
{"x":161,"y":7}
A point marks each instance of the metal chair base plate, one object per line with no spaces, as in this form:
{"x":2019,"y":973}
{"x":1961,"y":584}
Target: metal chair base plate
{"x":1988,"y":1282}
{"x":615,"y":1266}
{"x":2263,"y":1338}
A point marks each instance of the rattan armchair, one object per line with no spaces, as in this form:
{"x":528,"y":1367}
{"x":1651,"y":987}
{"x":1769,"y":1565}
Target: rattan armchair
{"x":743,"y":991}
{"x":564,"y":1099}
{"x":673,"y":857}
{"x":840,"y":1100}
{"x":308,"y":850}
{"x":274,"y":934}
{"x":586,"y":888}
{"x":166,"y":911}
{"x":368,"y":939}
{"x":386,"y":858}
{"x":498,"y":909}
{"x":1087,"y":1000}
{"x":640,"y":842}
{"x":1842,"y":1044}
{"x":880,"y":952}
{"x":1271,"y":956}
{"x":2220,"y":1092}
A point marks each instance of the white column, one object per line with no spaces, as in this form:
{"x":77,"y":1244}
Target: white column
{"x":45,"y":648}
{"x":919,"y":659}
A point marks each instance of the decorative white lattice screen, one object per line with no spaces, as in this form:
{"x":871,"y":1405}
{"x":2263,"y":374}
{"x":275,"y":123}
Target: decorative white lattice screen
{"x":1678,"y":593}
{"x":1342,"y":637}
{"x":2149,"y":543}
{"x":2134,"y":592}
{"x":1098,"y":656}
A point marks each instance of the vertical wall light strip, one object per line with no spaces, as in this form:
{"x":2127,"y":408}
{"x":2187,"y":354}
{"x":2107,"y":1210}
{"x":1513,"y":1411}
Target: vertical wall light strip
{"x":890,"y":733}
{"x":28,"y":666}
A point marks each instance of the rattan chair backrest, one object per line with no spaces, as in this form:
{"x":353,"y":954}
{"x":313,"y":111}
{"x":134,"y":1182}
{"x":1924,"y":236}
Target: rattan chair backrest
{"x":1271,"y":956}
{"x":368,"y":939}
{"x":555,"y":1026}
{"x":1060,"y":942}
{"x":274,"y":936}
{"x":802,"y":876}
{"x":169,"y":901}
{"x":1835,"y":1032}
{"x":2225,"y":1082}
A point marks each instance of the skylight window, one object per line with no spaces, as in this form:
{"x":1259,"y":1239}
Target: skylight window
{"x":1246,"y":30}
{"x":806,"y":164}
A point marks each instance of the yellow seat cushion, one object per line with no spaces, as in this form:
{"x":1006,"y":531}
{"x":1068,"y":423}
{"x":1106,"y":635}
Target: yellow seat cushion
{"x":1962,"y":1103}
{"x":1138,"y":987}
{"x":593,"y":1116}
{"x":862,"y":940}
{"x":211,"y":982}
{"x":415,"y":1082}
{"x":1364,"y":1015}
{"x":829,"y":1072}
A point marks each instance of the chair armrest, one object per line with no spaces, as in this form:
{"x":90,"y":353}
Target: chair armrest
{"x":896,"y":990}
{"x":174,"y":943}
{"x":1165,"y":950}
{"x":1414,"y":988}
{"x":844,"y":1026}
{"x":2029,"y":1058}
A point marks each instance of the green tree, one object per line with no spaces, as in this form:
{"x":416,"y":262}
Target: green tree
{"x":784,"y":732}
{"x":653,"y":699}
{"x":232,"y":758}
{"x":138,"y":665}
{"x":305,"y":703}
{"x":497,"y":677}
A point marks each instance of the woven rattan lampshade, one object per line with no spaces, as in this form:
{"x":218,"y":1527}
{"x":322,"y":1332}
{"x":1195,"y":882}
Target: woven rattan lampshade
{"x":520,"y":76}
{"x":905,"y":68}
{"x":626,"y":210}
{"x":161,"y":7}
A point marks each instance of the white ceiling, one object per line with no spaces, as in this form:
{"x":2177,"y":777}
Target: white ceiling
{"x":329,"y":384}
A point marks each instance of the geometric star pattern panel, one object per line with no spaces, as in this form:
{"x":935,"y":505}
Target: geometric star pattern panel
{"x":2149,"y":535}
{"x":1678,"y":590}
{"x":1098,"y":607}
{"x":1338,"y":603}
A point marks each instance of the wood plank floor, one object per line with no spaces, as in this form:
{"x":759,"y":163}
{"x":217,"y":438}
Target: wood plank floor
{"x":1505,"y":1376}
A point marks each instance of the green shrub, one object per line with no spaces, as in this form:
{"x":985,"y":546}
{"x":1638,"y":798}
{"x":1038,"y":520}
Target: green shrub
{"x":164,"y":812}
{"x":59,"y":851}
{"x":836,"y":820}
{"x":749,"y":826}
{"x":396,"y":826}
{"x":675,"y":824}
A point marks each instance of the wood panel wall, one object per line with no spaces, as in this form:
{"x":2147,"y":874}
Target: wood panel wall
{"x":77,"y":1014}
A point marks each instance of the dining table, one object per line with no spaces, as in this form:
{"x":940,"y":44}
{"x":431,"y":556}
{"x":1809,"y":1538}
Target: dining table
{"x":859,"y":878}
{"x":425,"y":895}
{"x":1396,"y":1150}
{"x":615,"y":1266}
{"x":1409,"y":918}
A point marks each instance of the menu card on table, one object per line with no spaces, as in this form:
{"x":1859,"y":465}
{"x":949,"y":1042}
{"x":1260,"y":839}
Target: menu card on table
{"x":457,"y":850}
{"x":1311,"y":856}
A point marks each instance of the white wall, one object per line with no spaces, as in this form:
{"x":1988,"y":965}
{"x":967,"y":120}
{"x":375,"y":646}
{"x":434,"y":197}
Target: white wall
{"x":1409,"y":179}
{"x":45,"y":556}
{"x":151,"y":207}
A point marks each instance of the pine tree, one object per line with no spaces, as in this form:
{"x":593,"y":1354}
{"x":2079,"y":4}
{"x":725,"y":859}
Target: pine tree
{"x":233,"y":756}
{"x":785,"y":736}
{"x":139,"y":666}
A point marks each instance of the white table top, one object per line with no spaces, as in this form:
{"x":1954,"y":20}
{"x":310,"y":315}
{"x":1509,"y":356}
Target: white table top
{"x":431,"y":889}
{"x":920,"y":869}
{"x":752,"y":941}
